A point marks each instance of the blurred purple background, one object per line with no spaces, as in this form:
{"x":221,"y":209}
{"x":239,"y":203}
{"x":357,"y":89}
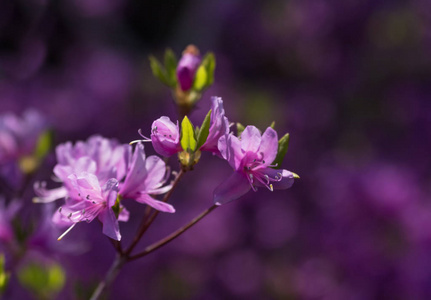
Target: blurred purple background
{"x":349,"y":80}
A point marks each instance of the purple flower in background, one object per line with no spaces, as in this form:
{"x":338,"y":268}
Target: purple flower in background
{"x":88,"y":200}
{"x":145,"y":177}
{"x":18,"y":139}
{"x":18,"y":136}
{"x":251,"y":156}
{"x":165,"y":137}
{"x":6,"y":216}
{"x":187,"y":67}
{"x":219,"y":126}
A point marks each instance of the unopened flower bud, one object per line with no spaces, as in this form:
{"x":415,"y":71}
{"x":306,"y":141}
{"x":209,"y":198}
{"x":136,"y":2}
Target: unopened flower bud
{"x":187,"y":67}
{"x":165,"y":137}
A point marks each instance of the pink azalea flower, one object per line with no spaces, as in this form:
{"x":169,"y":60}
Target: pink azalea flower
{"x":165,"y":137}
{"x":250,"y":156}
{"x":102,"y":157}
{"x":88,"y":200}
{"x":146,"y":177}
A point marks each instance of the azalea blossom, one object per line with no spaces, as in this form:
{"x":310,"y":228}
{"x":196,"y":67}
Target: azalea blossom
{"x":165,"y":137}
{"x":109,"y":156}
{"x":100,"y":156}
{"x":250,"y":156}
{"x":145,"y":177}
{"x":88,"y":200}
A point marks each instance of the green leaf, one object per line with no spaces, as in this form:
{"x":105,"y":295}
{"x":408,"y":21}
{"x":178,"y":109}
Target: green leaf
{"x":239,"y":129}
{"x":4,"y":276}
{"x":188,"y":141}
{"x":43,"y":144}
{"x":205,"y":130}
{"x":201,"y":78}
{"x":210,"y":64}
{"x":42,"y":280}
{"x":116,"y":207}
{"x":158,"y":70}
{"x":283,"y":144}
{"x":171,"y":67}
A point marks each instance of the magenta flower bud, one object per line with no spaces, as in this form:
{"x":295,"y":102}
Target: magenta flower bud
{"x":165,"y":136}
{"x":187,"y":67}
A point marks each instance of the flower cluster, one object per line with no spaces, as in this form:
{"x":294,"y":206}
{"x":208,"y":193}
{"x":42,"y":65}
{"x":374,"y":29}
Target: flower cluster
{"x":251,"y":155}
{"x":96,"y":175}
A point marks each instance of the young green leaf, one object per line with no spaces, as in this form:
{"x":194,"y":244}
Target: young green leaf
{"x":44,"y":144}
{"x":201,"y":78}
{"x":205,"y":130}
{"x":188,"y":140}
{"x":171,"y":67}
{"x":158,"y":71}
{"x":283,"y":144}
{"x":239,"y":128}
{"x":210,"y":64}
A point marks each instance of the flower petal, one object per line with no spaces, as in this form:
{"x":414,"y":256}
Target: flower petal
{"x":232,"y":188}
{"x":45,"y":195}
{"x":136,"y":173}
{"x":156,"y":204}
{"x":156,"y":170}
{"x":286,"y":182}
{"x":230,"y":149}
{"x":269,"y":145}
{"x":250,"y":139}
{"x":110,"y":224}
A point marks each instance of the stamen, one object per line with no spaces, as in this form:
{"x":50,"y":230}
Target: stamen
{"x":66,"y":232}
{"x":271,"y":188}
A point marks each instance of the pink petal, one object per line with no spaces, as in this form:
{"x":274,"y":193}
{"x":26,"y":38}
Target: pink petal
{"x":232,"y":188}
{"x":250,"y":139}
{"x":110,"y":224}
{"x":156,"y":170}
{"x":136,"y":173}
{"x":156,"y":204}
{"x":286,"y":182}
{"x":230,"y":148}
{"x":269,"y":145}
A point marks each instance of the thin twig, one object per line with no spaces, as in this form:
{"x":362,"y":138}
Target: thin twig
{"x":173,"y":235}
{"x":119,"y":261}
{"x":147,"y":223}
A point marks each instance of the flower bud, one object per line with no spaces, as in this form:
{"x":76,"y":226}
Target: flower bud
{"x":165,"y":136}
{"x":187,"y":67}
